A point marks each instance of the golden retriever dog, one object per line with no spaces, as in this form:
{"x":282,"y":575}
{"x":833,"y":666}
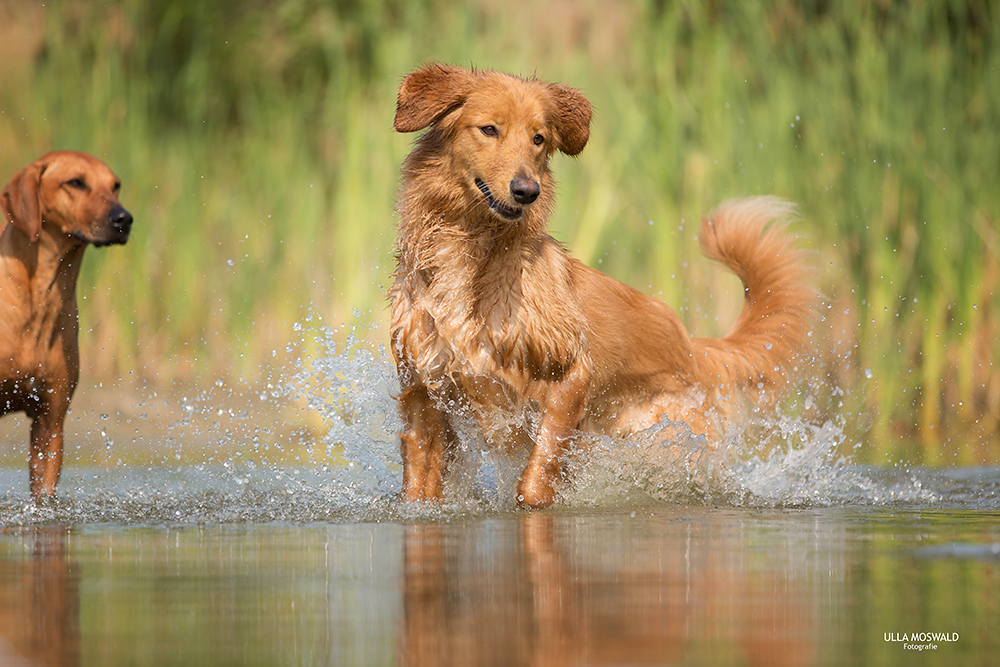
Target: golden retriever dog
{"x":492,"y":320}
{"x":52,"y":210}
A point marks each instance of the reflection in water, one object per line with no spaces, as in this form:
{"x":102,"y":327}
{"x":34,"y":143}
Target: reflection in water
{"x":39,"y":600}
{"x":544,"y":592}
{"x":664,"y":584}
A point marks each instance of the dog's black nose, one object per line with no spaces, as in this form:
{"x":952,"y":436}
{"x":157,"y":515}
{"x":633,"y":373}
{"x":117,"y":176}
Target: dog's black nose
{"x":120,"y":219}
{"x":524,"y":190}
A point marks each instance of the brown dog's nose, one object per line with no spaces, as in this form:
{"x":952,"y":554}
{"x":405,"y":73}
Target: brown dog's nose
{"x":524,"y":190}
{"x":120,"y":219}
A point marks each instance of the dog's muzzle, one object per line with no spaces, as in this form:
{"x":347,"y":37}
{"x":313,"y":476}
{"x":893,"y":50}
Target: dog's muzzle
{"x":116,"y":231}
{"x":501,"y":209}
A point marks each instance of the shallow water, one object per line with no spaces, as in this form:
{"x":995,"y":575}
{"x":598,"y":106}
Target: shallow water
{"x":219,"y":543}
{"x":216,"y":576}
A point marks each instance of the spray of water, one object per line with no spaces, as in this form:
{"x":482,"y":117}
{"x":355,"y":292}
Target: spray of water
{"x":353,"y":470}
{"x":784,"y":460}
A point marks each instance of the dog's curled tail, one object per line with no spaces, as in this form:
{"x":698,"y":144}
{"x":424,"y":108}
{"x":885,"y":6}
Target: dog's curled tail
{"x":771,"y":335}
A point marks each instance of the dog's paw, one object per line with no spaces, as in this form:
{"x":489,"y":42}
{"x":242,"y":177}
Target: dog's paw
{"x":536,"y":489}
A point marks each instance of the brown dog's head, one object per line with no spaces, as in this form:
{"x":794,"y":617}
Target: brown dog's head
{"x":68,"y":194}
{"x":494,"y":132}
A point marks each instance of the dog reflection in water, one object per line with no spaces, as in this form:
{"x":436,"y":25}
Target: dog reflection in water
{"x":682,"y":594}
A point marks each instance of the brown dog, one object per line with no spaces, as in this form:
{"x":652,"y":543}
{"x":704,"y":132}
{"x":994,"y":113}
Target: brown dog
{"x":52,"y":210}
{"x":491,"y":317}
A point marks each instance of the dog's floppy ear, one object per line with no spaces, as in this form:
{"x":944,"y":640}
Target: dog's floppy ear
{"x":428,"y":93}
{"x":571,"y":118}
{"x":20,"y":200}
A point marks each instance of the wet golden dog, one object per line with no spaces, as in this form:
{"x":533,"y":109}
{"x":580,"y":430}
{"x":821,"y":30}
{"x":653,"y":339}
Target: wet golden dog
{"x":52,"y":210}
{"x":492,"y":319}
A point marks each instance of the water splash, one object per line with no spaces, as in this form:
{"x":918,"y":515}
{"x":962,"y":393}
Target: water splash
{"x":784,"y":461}
{"x":805,"y":467}
{"x":352,"y":389}
{"x":352,"y":472}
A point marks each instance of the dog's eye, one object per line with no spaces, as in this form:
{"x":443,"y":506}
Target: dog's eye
{"x":76,"y":184}
{"x":539,"y":140}
{"x":489,"y":130}
{"x":117,"y":188}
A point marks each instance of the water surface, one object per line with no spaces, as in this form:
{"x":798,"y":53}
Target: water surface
{"x":382,"y":585}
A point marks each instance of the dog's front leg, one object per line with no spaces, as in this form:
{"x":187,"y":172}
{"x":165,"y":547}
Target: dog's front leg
{"x":45,"y":463}
{"x":564,"y":406}
{"x":427,"y":444}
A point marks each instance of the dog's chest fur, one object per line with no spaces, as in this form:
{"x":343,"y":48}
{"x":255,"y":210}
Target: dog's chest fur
{"x":470,"y":312}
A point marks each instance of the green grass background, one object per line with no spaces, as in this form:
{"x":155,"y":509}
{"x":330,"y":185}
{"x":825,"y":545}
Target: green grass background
{"x":255,"y":144}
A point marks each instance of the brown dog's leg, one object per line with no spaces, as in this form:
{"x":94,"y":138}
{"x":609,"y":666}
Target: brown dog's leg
{"x":565,"y":405}
{"x":45,"y":463}
{"x":427,"y":443}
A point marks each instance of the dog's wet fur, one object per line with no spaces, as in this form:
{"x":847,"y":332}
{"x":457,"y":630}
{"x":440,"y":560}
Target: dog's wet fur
{"x":492,"y":319}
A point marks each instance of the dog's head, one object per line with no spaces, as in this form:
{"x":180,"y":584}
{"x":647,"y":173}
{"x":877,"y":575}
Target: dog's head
{"x":497,"y":131}
{"x":72,"y":196}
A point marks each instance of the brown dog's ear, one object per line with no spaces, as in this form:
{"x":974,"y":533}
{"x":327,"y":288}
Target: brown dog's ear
{"x":20,"y":200}
{"x":428,"y":93}
{"x":572,"y":118}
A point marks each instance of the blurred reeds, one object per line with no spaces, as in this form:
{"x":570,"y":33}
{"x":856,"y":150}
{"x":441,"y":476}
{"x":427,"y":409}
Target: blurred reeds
{"x":255,"y":144}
